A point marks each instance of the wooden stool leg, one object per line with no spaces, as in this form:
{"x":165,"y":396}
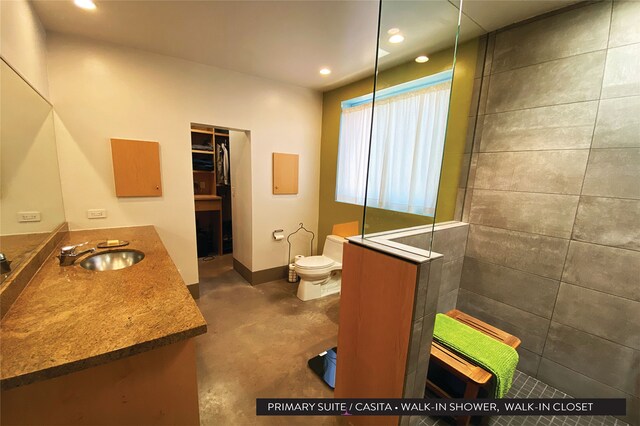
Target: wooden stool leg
{"x":470,"y":392}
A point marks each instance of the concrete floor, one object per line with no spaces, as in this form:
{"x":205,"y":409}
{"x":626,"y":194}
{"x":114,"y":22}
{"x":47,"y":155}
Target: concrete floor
{"x":258,"y":343}
{"x":257,"y":346}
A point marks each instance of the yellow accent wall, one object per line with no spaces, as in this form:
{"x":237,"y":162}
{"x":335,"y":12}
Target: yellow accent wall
{"x":332,"y":212}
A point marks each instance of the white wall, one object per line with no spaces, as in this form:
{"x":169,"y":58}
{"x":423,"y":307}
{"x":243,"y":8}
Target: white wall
{"x":101,"y":91}
{"x":240,"y":147}
{"x":23,"y":43}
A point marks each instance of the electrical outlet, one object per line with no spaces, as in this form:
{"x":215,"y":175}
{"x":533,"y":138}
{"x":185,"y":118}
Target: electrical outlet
{"x":29,"y":217}
{"x":96,"y":213}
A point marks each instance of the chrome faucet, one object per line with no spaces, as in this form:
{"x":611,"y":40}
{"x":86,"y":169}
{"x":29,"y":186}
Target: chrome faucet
{"x":68,"y":254}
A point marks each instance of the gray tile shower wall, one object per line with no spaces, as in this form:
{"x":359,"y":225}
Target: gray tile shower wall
{"x":552,"y":197}
{"x":450,"y":240}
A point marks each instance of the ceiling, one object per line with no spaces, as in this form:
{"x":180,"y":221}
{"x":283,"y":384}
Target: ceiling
{"x":288,"y":41}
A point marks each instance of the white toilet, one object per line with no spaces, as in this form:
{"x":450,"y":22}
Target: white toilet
{"x":321,"y":275}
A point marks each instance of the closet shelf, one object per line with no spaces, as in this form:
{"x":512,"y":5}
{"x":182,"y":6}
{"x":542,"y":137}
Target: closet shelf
{"x":200,"y":197}
{"x":209,"y":132}
{"x":200,"y":151}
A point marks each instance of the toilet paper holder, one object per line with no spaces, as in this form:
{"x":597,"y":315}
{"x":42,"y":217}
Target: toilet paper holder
{"x":278,"y":234}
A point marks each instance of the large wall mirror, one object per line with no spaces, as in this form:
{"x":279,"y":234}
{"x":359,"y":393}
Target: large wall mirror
{"x":30,"y":191}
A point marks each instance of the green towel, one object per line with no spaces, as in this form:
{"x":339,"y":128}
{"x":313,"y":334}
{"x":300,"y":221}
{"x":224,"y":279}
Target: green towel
{"x":487,"y":352}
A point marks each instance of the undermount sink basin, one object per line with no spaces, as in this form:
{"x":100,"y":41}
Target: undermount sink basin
{"x":112,"y":260}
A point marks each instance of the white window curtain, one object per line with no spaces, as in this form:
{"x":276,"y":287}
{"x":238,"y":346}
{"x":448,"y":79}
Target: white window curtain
{"x":407,"y":145}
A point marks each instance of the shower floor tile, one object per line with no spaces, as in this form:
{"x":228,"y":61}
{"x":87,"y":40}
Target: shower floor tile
{"x":525,"y":386}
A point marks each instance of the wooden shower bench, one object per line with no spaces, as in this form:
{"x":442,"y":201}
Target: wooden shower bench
{"x":473,"y":376}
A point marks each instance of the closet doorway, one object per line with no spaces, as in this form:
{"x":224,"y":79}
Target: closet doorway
{"x":221,"y":162}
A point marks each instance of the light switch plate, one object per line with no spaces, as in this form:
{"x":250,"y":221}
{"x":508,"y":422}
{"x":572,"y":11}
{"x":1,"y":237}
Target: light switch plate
{"x":29,"y":217}
{"x":96,"y":214}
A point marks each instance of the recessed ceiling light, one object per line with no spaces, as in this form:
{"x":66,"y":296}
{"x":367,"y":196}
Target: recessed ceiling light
{"x":393,"y":31}
{"x":422,"y":59}
{"x":85,"y":4}
{"x":325,"y":71}
{"x":396,"y":38}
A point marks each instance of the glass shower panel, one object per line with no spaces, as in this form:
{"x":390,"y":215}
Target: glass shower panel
{"x":408,"y":113}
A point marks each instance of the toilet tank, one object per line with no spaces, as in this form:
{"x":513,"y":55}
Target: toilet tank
{"x":333,"y":247}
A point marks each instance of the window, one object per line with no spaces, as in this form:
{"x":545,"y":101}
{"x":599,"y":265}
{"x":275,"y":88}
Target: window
{"x":407,"y":144}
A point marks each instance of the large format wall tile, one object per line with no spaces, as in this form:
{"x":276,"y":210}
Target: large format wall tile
{"x":613,"y":172}
{"x":484,"y":95}
{"x":435,"y":278}
{"x":447,"y":302}
{"x":608,"y":221}
{"x":482,"y":50}
{"x":420,"y":241}
{"x":528,"y":362}
{"x":457,"y":213}
{"x":580,"y":386}
{"x":607,"y":362}
{"x":475,"y":97}
{"x":464,"y":171}
{"x":573,"y":79}
{"x":424,"y":287}
{"x":624,"y":23}
{"x":607,"y":269}
{"x":538,"y":216}
{"x":491,"y":46}
{"x":530,"y":328}
{"x":570,"y":33}
{"x":471,"y":130}
{"x":618,"y":124}
{"x":546,"y":214}
{"x":527,"y":252}
{"x":567,"y":126}
{"x":473,"y":166}
{"x":556,"y":172}
{"x":526,"y":291}
{"x":414,"y":346}
{"x":451,"y":273}
{"x":575,"y":384}
{"x":466,"y":208}
{"x":622,"y":72}
{"x":451,"y":242}
{"x":617,"y":319}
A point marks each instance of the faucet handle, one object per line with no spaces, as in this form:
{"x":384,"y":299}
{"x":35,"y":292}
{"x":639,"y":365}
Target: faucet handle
{"x":71,"y":249}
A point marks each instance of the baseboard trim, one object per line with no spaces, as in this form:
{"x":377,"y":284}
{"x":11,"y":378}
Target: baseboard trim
{"x":259,"y":277}
{"x":272,"y":274}
{"x":242,"y":270}
{"x":194,"y":289}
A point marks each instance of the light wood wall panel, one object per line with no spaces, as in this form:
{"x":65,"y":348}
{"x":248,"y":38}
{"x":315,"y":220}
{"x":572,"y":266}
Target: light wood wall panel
{"x":136,"y":168}
{"x":285,"y":173}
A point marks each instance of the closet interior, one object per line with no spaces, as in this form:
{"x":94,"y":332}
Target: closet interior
{"x":212,"y":189}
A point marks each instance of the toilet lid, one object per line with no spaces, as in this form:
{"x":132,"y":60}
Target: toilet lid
{"x":314,"y":262}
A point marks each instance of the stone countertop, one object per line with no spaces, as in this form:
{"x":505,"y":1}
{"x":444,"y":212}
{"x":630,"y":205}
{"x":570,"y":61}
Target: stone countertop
{"x":69,"y":318}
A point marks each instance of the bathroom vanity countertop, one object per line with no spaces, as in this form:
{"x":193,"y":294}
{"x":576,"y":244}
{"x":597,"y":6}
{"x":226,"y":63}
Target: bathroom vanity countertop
{"x":69,"y":318}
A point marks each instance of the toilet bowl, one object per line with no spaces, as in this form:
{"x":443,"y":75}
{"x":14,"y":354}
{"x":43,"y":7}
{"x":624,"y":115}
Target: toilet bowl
{"x":321,"y":275}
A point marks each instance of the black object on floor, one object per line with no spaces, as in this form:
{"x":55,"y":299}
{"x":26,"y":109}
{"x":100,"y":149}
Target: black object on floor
{"x":317,"y":365}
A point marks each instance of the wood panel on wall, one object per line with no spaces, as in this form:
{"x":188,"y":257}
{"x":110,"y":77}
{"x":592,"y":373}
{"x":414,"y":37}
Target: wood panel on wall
{"x":136,"y":168}
{"x":285,"y":173}
{"x":376,"y":308}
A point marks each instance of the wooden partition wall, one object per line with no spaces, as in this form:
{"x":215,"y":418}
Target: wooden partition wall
{"x":382,"y":314}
